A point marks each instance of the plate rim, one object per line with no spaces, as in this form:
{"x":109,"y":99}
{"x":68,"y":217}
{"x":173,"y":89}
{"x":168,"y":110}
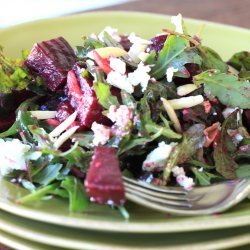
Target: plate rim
{"x":31,"y":233}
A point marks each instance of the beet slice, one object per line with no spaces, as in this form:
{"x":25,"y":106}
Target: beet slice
{"x":83,"y":99}
{"x":64,"y":110}
{"x":51,"y":60}
{"x":104,"y":179}
{"x":157,"y":43}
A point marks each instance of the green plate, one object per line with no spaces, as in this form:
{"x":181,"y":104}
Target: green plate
{"x":229,"y":40}
{"x":69,"y":238}
{"x":15,"y":242}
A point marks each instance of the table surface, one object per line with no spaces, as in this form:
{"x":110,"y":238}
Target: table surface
{"x":233,"y":12}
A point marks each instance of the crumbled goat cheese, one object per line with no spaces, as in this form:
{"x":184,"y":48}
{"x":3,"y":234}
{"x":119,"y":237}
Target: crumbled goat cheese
{"x":177,"y":21}
{"x":181,"y":178}
{"x":120,"y":81}
{"x":112,"y":32}
{"x":136,"y":51}
{"x":157,"y":158}
{"x":140,"y":76}
{"x":122,"y":117}
{"x":136,"y":39}
{"x":117,"y":65}
{"x":12,"y":161}
{"x":101,"y":133}
{"x":170,"y":73}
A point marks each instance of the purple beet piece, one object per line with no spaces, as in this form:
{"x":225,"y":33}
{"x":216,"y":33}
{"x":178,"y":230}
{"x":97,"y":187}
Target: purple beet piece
{"x":51,"y":60}
{"x":104,"y":179}
{"x":157,"y":43}
{"x":246,"y":118}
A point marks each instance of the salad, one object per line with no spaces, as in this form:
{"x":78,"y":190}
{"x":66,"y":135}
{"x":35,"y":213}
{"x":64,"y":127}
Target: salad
{"x":166,"y":110}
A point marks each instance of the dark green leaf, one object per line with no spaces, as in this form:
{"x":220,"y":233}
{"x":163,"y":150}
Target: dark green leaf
{"x":240,"y":60}
{"x":204,"y":178}
{"x":173,"y":47}
{"x":193,"y":139}
{"x":230,"y":91}
{"x":105,"y":98}
{"x":211,"y":60}
{"x":224,"y":161}
{"x":78,"y":198}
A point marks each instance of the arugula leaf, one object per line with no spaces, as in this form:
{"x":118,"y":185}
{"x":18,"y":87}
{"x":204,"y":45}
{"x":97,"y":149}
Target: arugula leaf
{"x":193,"y":139}
{"x":12,"y":75}
{"x":40,"y":135}
{"x":89,"y":44}
{"x":240,"y":60}
{"x":211,"y":60}
{"x":105,"y":98}
{"x":224,"y":161}
{"x":173,"y":47}
{"x":38,"y":194}
{"x":48,"y":174}
{"x":78,"y":199}
{"x":230,"y":91}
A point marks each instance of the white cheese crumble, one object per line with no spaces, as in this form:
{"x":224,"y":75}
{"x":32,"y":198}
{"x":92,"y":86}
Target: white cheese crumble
{"x":157,"y":158}
{"x":112,"y":32}
{"x":170,"y":73}
{"x":136,"y":39}
{"x":12,"y":161}
{"x":136,"y":51}
{"x":122,"y":117}
{"x":177,"y":21}
{"x":117,"y":65}
{"x":120,"y":81}
{"x":140,"y":76}
{"x":101,"y":133}
{"x":181,"y":178}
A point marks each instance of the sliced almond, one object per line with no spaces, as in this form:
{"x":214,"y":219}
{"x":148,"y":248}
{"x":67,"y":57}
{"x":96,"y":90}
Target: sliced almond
{"x":63,"y":126}
{"x":186,"y":89}
{"x":172,"y":115}
{"x":186,"y":102}
{"x":111,"y":51}
{"x":41,"y":115}
{"x":64,"y":137}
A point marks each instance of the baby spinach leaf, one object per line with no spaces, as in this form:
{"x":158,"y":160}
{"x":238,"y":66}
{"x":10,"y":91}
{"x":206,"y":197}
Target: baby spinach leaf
{"x":78,"y":199}
{"x":211,"y":60}
{"x":230,"y":91}
{"x":48,"y":174}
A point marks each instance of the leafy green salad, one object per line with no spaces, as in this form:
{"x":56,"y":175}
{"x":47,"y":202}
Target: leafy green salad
{"x":165,"y":110}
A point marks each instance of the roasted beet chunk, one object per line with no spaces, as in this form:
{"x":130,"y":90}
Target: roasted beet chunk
{"x":51,"y":60}
{"x":83,"y":99}
{"x":157,"y":43}
{"x":104,"y":179}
